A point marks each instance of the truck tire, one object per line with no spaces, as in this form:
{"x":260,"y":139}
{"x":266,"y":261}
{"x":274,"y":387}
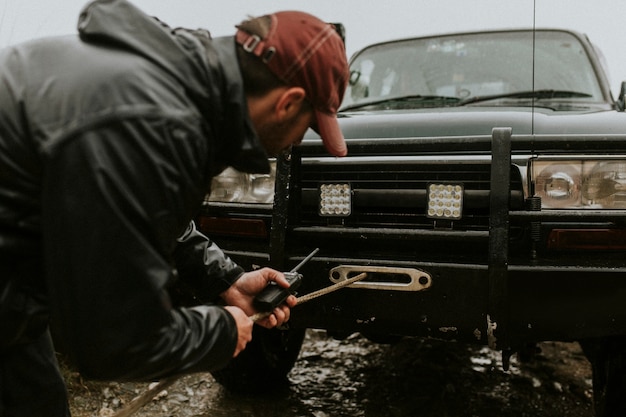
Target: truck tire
{"x":608,"y":364}
{"x":264,"y":364}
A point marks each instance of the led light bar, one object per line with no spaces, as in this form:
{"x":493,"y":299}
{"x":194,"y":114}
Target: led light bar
{"x":335,"y":200}
{"x":445,"y":201}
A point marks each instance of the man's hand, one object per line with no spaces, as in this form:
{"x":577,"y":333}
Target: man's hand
{"x":244,"y":328}
{"x":243,"y":291}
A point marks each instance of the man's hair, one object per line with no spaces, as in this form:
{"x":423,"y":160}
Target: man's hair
{"x":257,"y":77}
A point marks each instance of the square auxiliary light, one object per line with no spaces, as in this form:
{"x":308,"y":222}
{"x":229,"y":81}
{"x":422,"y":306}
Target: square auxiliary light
{"x":335,"y":200}
{"x":445,"y":201}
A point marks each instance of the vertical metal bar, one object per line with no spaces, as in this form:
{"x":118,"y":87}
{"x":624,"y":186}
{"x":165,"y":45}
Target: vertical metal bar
{"x":280,"y":214}
{"x":499,"y":202}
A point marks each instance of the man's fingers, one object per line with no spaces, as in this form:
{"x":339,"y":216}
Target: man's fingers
{"x":291,"y":301}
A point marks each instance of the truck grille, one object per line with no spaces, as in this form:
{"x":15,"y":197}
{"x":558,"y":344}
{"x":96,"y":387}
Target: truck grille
{"x":393,"y":194}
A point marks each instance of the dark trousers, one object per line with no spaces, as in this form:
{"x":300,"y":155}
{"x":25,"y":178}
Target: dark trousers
{"x":31,"y":384}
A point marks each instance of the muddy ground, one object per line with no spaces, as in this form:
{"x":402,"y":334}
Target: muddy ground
{"x":355,"y":377}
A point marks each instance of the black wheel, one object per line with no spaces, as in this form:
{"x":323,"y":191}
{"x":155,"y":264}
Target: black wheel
{"x":264,"y":364}
{"x":608,"y":363}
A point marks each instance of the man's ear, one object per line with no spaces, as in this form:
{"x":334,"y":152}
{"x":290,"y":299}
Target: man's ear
{"x":290,"y":102}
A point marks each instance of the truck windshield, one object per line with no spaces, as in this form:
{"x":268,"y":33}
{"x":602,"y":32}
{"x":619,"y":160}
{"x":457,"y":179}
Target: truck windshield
{"x":468,"y":67}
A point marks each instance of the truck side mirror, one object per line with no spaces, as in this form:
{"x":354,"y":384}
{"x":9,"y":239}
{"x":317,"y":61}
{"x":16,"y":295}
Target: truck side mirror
{"x":621,"y":100}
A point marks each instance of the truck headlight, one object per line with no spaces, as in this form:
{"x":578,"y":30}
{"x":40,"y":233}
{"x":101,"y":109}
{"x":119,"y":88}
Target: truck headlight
{"x":580,"y":183}
{"x":232,"y":186}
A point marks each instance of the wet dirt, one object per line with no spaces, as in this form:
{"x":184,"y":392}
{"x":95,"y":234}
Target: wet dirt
{"x":355,"y":377}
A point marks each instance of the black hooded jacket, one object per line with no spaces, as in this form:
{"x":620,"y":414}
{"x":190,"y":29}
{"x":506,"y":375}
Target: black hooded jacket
{"x":108,"y":143}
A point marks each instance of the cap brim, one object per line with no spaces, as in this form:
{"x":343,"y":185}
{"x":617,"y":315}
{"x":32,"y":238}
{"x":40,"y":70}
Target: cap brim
{"x":328,"y":129}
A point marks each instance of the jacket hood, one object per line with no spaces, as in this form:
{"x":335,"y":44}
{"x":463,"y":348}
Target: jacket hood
{"x":206,"y":68}
{"x":122,"y":23}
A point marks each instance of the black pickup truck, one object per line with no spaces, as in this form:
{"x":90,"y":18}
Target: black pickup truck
{"x":484,"y":195}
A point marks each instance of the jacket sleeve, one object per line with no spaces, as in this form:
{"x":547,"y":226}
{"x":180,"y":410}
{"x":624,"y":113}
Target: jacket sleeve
{"x":115,"y":199}
{"x":204,"y":271}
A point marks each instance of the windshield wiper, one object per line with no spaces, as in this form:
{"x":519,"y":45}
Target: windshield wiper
{"x":402,"y":99}
{"x":537,"y":94}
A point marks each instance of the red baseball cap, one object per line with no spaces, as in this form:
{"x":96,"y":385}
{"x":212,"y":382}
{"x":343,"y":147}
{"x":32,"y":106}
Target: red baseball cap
{"x":304,"y":51}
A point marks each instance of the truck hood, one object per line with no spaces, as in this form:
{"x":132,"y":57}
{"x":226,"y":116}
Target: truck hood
{"x":467,"y":121}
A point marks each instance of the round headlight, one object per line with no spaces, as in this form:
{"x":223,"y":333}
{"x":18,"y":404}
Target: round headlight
{"x":558,"y":185}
